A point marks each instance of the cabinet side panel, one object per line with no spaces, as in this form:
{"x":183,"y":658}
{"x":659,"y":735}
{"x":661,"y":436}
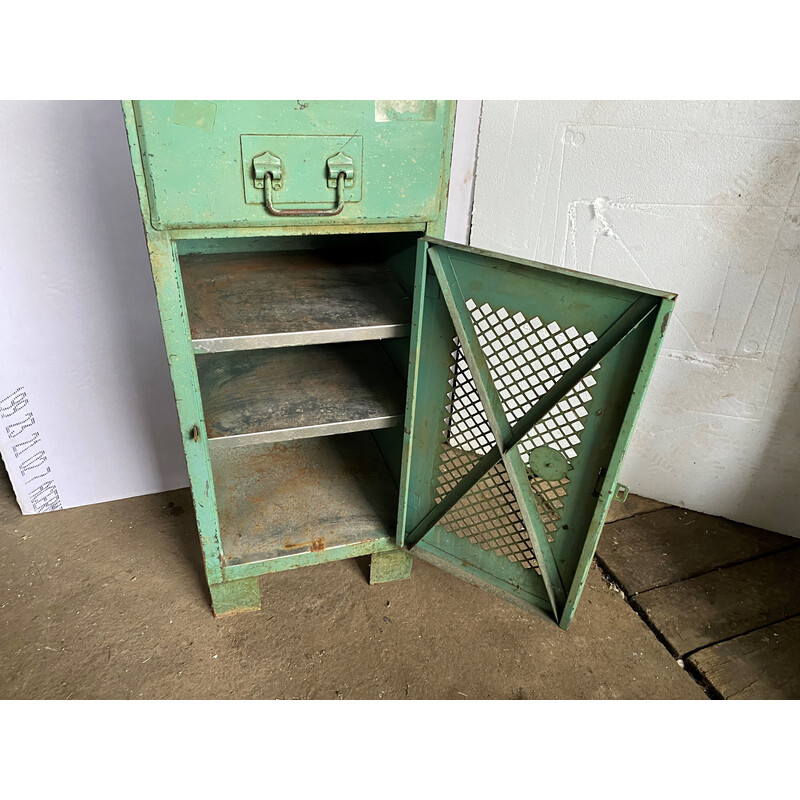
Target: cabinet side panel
{"x":177,"y":339}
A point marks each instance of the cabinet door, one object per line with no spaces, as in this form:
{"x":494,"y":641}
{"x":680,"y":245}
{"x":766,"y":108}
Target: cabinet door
{"x":525,"y":382}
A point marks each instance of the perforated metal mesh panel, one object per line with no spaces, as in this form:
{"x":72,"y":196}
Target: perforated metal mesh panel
{"x":488,"y":515}
{"x":556,"y":363}
{"x":525,"y":357}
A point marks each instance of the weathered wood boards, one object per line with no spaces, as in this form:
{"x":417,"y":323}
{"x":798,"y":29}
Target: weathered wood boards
{"x":673,"y":544}
{"x":721,"y":595}
{"x":761,"y":665}
{"x":724,"y":603}
{"x":631,"y":506}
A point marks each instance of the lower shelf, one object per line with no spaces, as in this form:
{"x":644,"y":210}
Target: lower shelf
{"x":282,"y":499}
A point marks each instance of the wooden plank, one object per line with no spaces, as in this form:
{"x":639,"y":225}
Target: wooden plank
{"x":285,"y":391}
{"x":762,"y":665}
{"x":248,"y":300}
{"x":725,"y":603}
{"x":631,"y":507}
{"x":673,"y":544}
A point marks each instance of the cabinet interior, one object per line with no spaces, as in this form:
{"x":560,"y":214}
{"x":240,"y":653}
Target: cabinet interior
{"x":301,"y":348}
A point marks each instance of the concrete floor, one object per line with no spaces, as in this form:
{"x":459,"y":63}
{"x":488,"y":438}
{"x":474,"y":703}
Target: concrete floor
{"x":110,"y":601}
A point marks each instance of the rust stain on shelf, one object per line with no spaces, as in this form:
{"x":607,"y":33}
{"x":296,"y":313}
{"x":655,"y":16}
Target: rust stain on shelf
{"x":314,"y":545}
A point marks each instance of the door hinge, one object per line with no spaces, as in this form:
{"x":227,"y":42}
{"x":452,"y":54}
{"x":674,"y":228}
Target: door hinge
{"x":267,"y":163}
{"x":340,"y":164}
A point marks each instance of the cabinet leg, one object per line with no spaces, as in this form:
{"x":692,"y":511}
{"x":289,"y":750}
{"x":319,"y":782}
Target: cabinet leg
{"x":233,"y":597}
{"x":394,"y":565}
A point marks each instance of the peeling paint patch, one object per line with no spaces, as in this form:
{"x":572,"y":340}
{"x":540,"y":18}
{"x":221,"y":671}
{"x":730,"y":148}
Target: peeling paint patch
{"x":405,"y":110}
{"x":195,"y":114}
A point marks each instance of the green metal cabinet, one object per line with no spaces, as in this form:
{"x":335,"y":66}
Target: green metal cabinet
{"x":349,"y":384}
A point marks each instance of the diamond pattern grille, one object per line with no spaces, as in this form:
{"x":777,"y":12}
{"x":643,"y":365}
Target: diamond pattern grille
{"x":488,"y":515}
{"x":525,"y":357}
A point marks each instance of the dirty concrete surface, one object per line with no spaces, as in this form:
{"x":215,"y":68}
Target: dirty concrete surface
{"x":109,"y":601}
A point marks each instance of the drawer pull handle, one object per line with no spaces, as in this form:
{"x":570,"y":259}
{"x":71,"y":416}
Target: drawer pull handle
{"x":302,"y":212}
{"x":268,"y":167}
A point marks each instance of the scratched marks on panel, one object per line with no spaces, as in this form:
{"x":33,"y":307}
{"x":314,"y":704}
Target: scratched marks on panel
{"x":644,"y":221}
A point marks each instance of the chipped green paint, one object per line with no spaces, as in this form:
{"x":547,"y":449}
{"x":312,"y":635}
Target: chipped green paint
{"x":392,"y":565}
{"x":192,"y":175}
{"x":187,"y":163}
{"x":626,"y":323}
{"x":197,"y":162}
{"x":177,"y":340}
{"x":234,"y":597}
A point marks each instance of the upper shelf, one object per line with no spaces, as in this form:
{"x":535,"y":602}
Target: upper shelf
{"x":244,"y":301}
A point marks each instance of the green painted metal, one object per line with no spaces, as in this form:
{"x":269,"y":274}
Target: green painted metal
{"x":177,"y":340}
{"x":555,"y":358}
{"x":234,"y":597}
{"x":330,"y":554}
{"x":512,"y":435}
{"x":499,"y":424}
{"x":610,"y":488}
{"x":392,"y":565}
{"x":206,"y":175}
{"x":219,"y":235}
{"x":196,"y":197}
{"x":191,"y":146}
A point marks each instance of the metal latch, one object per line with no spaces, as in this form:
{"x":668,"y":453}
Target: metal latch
{"x":341,"y":164}
{"x":621,"y":492}
{"x":267,"y":163}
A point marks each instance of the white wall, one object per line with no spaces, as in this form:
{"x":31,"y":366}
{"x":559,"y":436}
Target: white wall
{"x":462,"y":171}
{"x":699,"y":198}
{"x":78,"y":319}
{"x":86,"y":406}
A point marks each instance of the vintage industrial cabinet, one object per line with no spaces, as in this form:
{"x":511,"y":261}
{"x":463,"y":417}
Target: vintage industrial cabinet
{"x":348,"y":384}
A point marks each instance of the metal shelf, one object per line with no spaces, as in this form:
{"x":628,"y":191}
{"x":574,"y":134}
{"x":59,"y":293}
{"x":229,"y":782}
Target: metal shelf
{"x":284,"y":499}
{"x":298,"y":392}
{"x":243,"y":301}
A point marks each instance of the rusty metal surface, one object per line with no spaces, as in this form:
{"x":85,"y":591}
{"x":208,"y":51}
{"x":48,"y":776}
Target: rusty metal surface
{"x":244,"y":300}
{"x":305,"y":496}
{"x":281,"y":392}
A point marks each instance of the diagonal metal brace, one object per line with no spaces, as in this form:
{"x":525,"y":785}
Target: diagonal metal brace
{"x":611,"y":337}
{"x":499,"y":425}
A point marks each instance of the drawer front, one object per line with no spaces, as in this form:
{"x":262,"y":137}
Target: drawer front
{"x":207,"y":164}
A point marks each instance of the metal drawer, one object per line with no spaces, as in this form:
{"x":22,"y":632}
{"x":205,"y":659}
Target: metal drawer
{"x":259,"y":164}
